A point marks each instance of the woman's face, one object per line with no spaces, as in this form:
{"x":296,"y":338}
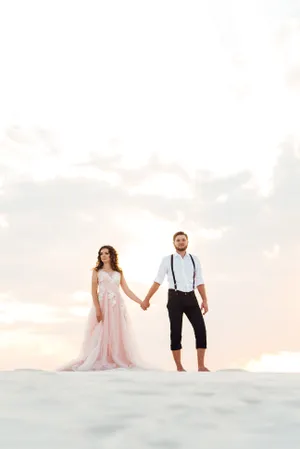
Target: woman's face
{"x":104,"y":255}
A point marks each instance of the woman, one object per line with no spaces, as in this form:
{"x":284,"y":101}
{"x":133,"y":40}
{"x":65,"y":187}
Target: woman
{"x":107,"y":343}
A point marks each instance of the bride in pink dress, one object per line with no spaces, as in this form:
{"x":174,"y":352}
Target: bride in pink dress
{"x":108,"y":340}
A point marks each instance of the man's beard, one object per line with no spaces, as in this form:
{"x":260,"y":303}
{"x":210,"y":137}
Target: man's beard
{"x":182,"y":248}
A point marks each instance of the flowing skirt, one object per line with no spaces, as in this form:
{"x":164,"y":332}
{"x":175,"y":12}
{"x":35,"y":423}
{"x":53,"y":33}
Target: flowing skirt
{"x":110,"y":343}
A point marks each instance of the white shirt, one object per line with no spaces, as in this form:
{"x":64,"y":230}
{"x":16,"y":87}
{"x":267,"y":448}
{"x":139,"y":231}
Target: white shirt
{"x":183,"y":271}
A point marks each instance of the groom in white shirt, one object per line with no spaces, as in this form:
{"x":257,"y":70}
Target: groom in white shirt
{"x":184,"y":274}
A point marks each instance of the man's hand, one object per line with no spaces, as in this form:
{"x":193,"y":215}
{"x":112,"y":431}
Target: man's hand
{"x":145,"y":304}
{"x":204,"y":307}
{"x":99,"y":314}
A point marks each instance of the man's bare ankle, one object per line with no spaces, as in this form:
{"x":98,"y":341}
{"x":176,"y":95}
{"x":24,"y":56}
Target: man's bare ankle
{"x":202,"y":368}
{"x":180,"y":368}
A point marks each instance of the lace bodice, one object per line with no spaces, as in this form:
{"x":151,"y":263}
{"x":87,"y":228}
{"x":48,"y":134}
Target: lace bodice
{"x":114,"y":276}
{"x":108,"y":286}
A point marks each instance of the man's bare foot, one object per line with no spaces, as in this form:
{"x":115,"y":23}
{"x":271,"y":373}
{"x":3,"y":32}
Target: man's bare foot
{"x":180,"y":368}
{"x":203,"y":368}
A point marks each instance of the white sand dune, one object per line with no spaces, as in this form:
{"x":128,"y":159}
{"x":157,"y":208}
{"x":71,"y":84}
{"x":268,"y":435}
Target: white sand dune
{"x":131,"y":409}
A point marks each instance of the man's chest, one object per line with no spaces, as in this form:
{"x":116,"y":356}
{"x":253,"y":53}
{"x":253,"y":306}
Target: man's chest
{"x":181,"y":267}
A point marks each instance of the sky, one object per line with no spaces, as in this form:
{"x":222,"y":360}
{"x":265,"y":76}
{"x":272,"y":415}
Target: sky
{"x":124,"y":122}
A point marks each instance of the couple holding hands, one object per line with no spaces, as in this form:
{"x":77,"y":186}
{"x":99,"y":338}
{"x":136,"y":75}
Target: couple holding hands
{"x":108,"y":340}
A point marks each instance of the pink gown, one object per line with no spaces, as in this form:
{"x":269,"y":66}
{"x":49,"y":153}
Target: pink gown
{"x":108,"y":344}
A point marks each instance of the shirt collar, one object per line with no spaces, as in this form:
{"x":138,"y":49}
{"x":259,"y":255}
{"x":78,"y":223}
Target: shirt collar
{"x":178,"y":255}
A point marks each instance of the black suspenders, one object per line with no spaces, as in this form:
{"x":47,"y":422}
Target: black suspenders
{"x":172,"y":268}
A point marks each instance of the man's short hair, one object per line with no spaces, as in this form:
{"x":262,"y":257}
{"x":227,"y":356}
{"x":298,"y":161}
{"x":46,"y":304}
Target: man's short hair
{"x":179,"y":233}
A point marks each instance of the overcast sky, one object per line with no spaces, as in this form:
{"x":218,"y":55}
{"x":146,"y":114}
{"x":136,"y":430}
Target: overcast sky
{"x":123,"y":122}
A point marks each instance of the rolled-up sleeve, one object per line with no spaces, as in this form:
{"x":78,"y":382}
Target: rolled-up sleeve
{"x":162,"y":271}
{"x":199,"y":275}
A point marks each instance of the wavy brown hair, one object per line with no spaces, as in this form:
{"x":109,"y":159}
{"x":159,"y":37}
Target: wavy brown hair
{"x":114,"y":262}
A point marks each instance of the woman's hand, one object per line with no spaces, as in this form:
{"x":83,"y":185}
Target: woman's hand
{"x":145,"y":304}
{"x":99,"y":314}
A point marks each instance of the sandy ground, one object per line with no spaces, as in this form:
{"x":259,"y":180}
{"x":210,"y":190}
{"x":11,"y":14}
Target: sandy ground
{"x":131,"y":409}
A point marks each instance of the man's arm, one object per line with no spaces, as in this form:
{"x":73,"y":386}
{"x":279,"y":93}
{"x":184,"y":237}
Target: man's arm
{"x":155,"y":286}
{"x":162,"y":271}
{"x":201,"y":286}
{"x":204,"y":305}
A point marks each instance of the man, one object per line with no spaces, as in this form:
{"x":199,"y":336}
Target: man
{"x":184,"y":275}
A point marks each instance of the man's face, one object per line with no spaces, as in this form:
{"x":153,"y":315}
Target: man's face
{"x":181,"y":243}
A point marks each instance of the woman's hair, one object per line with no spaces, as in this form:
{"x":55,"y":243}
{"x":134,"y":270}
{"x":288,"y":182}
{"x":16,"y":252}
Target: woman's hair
{"x":113,"y":259}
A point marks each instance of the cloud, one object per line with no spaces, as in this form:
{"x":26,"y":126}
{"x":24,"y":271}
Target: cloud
{"x":281,"y":362}
{"x":24,"y":148}
{"x":4,"y":221}
{"x":65,"y":193}
{"x":57,"y":225}
{"x":273,"y":253}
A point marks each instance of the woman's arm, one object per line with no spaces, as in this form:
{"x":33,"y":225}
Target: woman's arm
{"x":95,"y":295}
{"x":127,"y":290}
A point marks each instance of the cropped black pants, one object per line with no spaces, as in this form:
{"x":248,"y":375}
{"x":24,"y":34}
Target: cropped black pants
{"x":180,"y":303}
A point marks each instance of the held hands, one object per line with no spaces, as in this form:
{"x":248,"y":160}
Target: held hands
{"x":145,"y":304}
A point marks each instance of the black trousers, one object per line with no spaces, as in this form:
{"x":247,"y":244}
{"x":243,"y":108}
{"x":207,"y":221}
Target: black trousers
{"x":178,"y":304}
